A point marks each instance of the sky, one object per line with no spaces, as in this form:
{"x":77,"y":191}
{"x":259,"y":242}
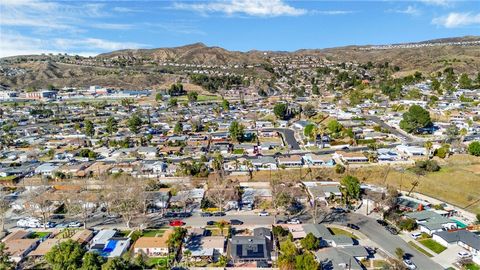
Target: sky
{"x":92,"y":27}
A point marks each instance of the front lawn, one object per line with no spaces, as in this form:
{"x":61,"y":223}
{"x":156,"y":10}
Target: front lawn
{"x":433,"y":245}
{"x":158,"y":262}
{"x":337,"y":231}
{"x":153,"y":233}
{"x":420,"y":249}
{"x":238,"y":151}
{"x":472,"y":266}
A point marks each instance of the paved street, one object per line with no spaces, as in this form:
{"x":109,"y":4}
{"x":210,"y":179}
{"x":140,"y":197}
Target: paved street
{"x":248,"y":219}
{"x":389,"y":242}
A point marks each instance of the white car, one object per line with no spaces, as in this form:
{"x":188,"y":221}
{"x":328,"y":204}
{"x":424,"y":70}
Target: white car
{"x":416,"y":235}
{"x":74,"y":224}
{"x":263,"y":214}
{"x":409,"y":264}
{"x":29,"y":223}
{"x":294,"y":221}
{"x":464,"y":254}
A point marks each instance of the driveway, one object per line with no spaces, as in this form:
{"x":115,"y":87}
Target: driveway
{"x":288,"y":136}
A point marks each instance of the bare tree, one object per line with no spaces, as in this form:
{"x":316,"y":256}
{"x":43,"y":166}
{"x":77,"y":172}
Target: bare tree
{"x":4,"y":207}
{"x":81,"y":203}
{"x":40,"y":204}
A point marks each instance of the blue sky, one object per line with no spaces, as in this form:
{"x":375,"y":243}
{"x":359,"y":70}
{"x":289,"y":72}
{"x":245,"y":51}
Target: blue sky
{"x":92,"y":27}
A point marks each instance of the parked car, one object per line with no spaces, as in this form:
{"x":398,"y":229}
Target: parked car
{"x":353,"y":226}
{"x":416,"y":235}
{"x":74,"y":224}
{"x":210,"y":223}
{"x":176,"y":223}
{"x":29,"y":223}
{"x":280,"y":221}
{"x":409,"y":264}
{"x":338,"y":210}
{"x":464,"y":254}
{"x":294,"y":221}
{"x":170,"y":215}
{"x":206,"y":214}
{"x":382,"y":222}
{"x":263,"y":213}
{"x":219,"y":214}
{"x":236,"y":222}
{"x":184,"y":214}
{"x":391,"y":230}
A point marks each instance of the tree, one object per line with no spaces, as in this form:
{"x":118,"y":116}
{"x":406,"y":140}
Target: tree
{"x":5,"y":259}
{"x":288,"y":252}
{"x":474,"y":148}
{"x":339,"y":168}
{"x":221,"y":226}
{"x":415,"y":118}
{"x":306,"y":261}
{"x":172,"y":102}
{"x":4,"y":207}
{"x":464,"y":81}
{"x":399,"y":253}
{"x":428,"y":148}
{"x":281,"y":111}
{"x":127,"y":103}
{"x":315,"y":89}
{"x":92,"y":261}
{"x":116,"y":263}
{"x":310,"y":242}
{"x":334,"y":126}
{"x":134,"y":123}
{"x":158,"y":97}
{"x":309,"y":110}
{"x":307,"y":131}
{"x":192,"y":96}
{"x":65,"y":256}
{"x":351,"y":187}
{"x":178,"y":129}
{"x":89,"y":128}
{"x":237,"y":131}
{"x":225,"y":105}
{"x":111,"y":125}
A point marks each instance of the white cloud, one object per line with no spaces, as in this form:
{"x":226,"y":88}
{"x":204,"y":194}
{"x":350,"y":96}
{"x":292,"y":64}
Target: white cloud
{"x":112,"y":26}
{"x":410,"y":10}
{"x":125,"y":10}
{"x":272,"y":8}
{"x":332,"y":12}
{"x":443,"y":3}
{"x":455,"y":19}
{"x":16,"y":44}
{"x":96,"y":43}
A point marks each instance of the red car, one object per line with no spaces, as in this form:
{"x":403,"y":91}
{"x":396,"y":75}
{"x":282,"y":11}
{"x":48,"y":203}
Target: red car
{"x":176,"y":223}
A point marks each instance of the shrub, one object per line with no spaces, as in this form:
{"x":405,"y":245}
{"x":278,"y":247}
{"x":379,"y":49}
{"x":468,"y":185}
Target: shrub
{"x":339,"y":168}
{"x":407,"y":224}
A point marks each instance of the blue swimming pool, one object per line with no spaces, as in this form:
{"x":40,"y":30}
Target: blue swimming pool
{"x":460,"y":224}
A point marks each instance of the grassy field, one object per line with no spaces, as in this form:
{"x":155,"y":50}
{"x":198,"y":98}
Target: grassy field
{"x":458,"y":182}
{"x":411,"y":243}
{"x":338,"y":231}
{"x":433,"y":245}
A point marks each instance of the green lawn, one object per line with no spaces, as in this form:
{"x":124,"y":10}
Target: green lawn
{"x":472,"y":266}
{"x":8,"y":178}
{"x":36,"y":235}
{"x":337,"y":231}
{"x":433,"y":245}
{"x":411,"y":243}
{"x":153,"y":233}
{"x":238,"y":151}
{"x":124,"y":233}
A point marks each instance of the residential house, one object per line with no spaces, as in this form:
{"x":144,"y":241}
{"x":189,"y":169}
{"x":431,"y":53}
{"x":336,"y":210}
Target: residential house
{"x":256,"y":247}
{"x":466,"y":239}
{"x":431,"y":222}
{"x":153,"y":246}
{"x":292,"y":161}
{"x":350,"y":157}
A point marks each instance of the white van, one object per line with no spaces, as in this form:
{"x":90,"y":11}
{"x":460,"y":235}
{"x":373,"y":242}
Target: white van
{"x":416,"y":235}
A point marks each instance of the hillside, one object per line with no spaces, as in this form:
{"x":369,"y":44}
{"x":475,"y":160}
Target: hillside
{"x":144,"y":67}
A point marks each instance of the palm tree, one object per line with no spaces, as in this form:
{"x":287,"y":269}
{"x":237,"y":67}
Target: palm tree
{"x":428,"y":147}
{"x":187,"y":253}
{"x":249,"y":166}
{"x":314,"y":134}
{"x":322,"y":131}
{"x":221,"y":225}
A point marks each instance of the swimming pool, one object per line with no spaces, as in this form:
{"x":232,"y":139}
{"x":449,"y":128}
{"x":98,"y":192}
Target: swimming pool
{"x":460,"y":224}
